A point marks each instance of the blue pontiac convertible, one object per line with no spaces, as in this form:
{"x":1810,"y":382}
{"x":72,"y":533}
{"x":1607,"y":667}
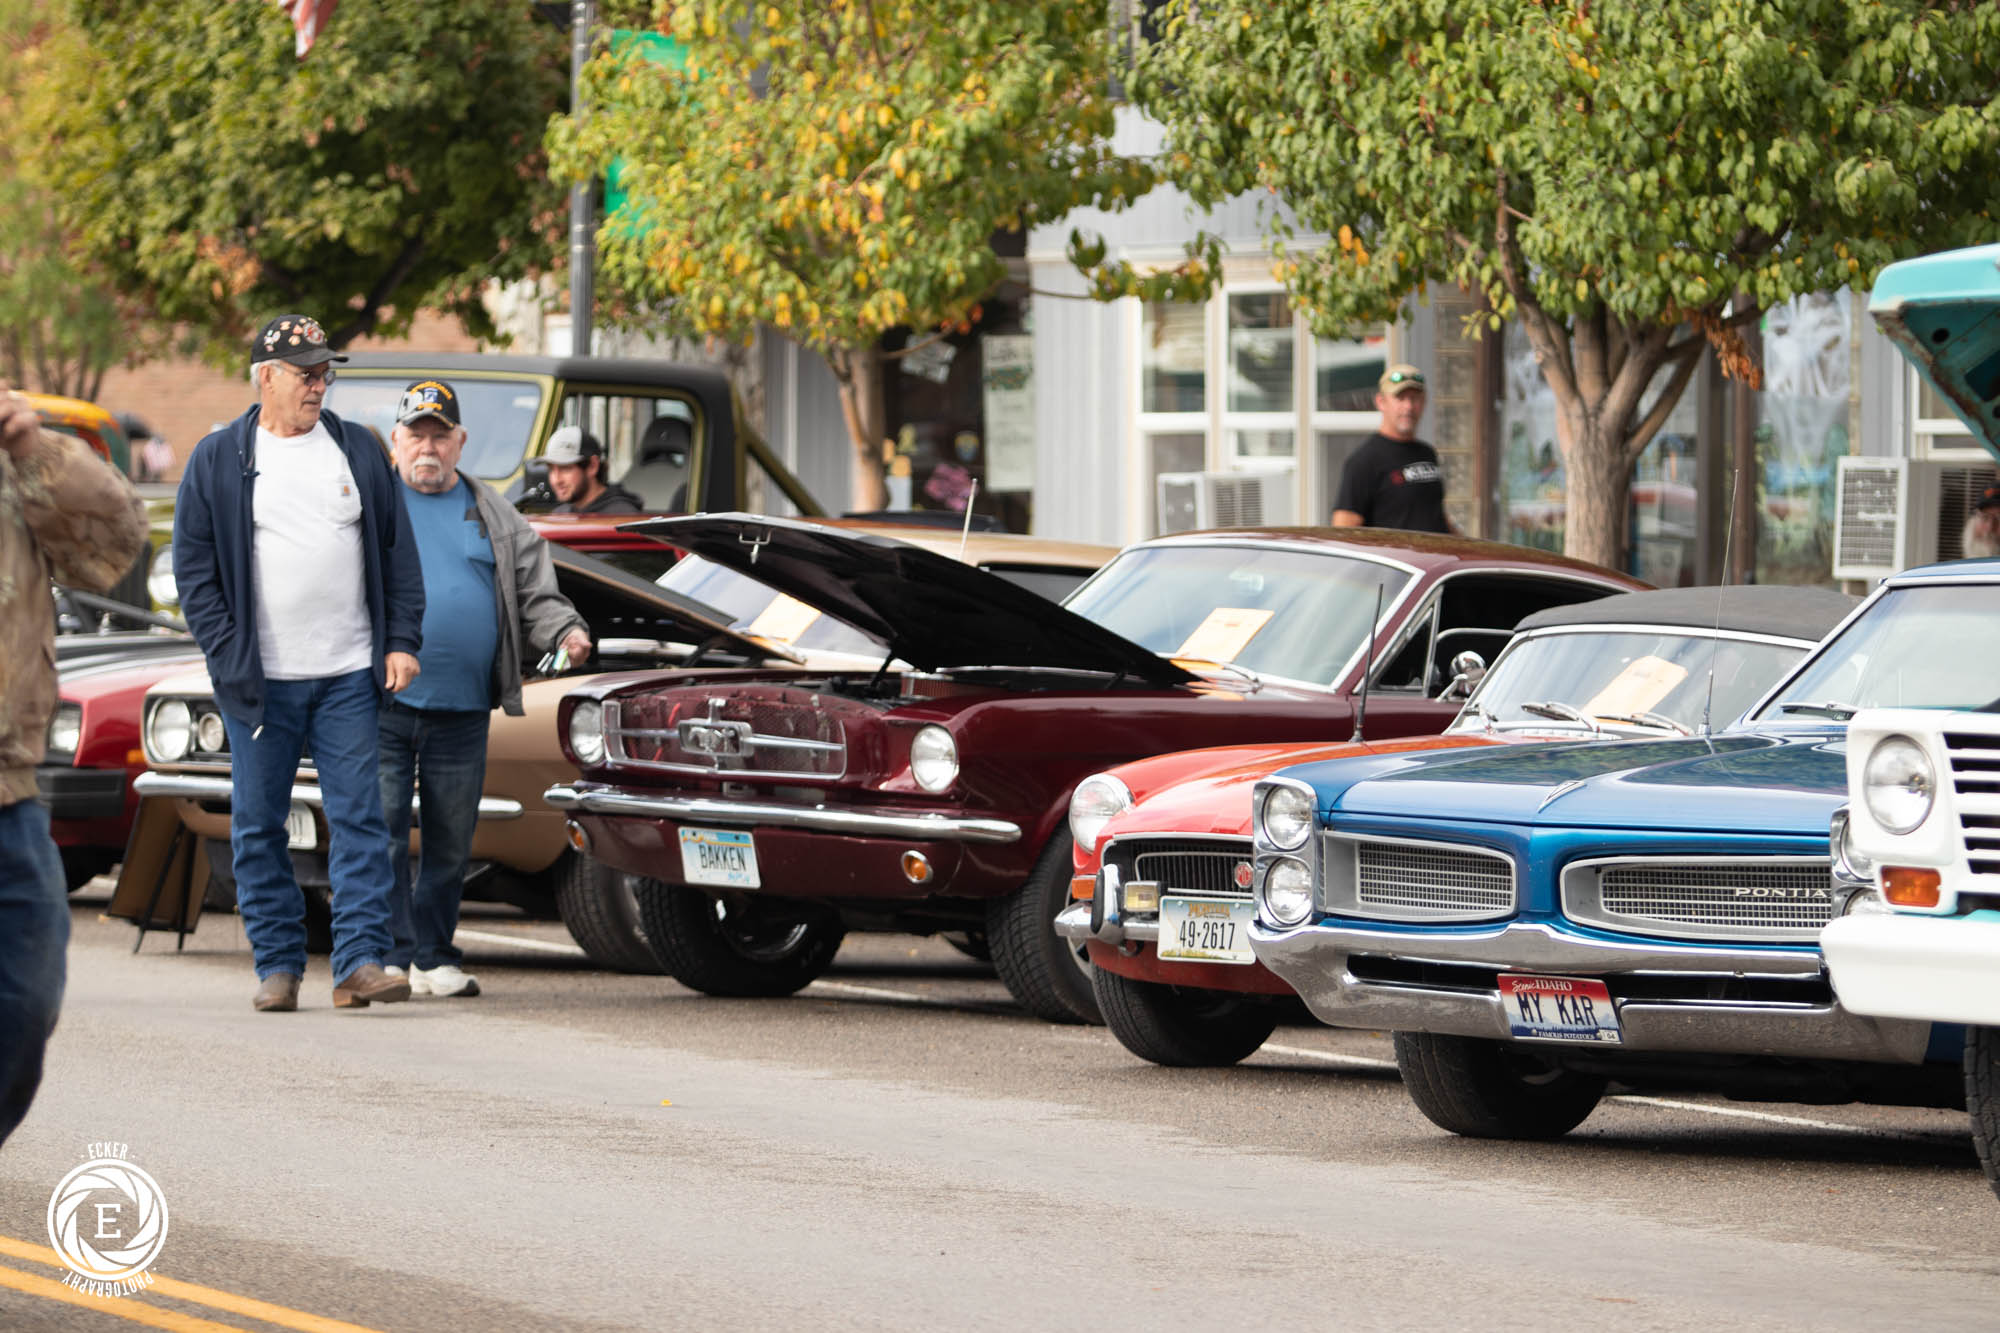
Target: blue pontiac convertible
{"x":1534,"y":922}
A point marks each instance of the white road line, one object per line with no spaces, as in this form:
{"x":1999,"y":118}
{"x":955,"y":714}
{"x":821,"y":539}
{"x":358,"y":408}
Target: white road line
{"x":1331,"y":1057}
{"x":877,"y":993}
{"x":1797,"y":1122}
{"x":518,"y":941}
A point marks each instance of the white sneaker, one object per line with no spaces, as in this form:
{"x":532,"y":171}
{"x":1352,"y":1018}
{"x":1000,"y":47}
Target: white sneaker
{"x":393,"y":970}
{"x":445,"y":979}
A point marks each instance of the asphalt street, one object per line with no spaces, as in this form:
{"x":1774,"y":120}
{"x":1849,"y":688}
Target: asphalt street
{"x":899,"y":1148}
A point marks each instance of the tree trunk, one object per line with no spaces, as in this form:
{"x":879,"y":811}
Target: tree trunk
{"x":1598,"y":492}
{"x":859,"y":373}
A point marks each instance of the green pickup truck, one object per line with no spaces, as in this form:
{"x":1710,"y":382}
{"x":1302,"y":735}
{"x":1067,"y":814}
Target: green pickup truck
{"x":673,"y":434}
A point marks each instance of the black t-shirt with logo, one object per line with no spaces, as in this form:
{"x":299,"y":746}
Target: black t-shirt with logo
{"x":1394,"y":484}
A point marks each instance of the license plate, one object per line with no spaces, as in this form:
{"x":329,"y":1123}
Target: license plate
{"x":724,"y":857}
{"x":1206,"y":930}
{"x":300,"y":833}
{"x":1560,"y":1009}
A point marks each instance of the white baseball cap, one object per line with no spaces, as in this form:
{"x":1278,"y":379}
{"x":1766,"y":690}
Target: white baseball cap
{"x":570,"y":445}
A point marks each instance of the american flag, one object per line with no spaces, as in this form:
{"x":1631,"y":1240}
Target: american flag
{"x":308,"y":18}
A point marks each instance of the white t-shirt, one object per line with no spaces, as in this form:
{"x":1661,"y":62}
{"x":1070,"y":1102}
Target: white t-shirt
{"x":312,"y":601}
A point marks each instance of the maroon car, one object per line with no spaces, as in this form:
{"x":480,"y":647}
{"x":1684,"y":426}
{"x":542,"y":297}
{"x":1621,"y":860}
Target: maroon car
{"x":773,"y":810}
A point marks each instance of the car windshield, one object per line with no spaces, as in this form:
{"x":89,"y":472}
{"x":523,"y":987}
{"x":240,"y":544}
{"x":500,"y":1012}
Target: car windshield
{"x":754,"y":609}
{"x":499,"y":414}
{"x":1916,"y":647}
{"x":1301,"y":614}
{"x":1645,"y":680}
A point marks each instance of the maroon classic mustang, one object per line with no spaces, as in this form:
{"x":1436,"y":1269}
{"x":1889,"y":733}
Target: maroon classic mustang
{"x":773,"y":810}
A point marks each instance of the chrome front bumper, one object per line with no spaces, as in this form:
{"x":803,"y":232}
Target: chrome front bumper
{"x":1073,"y":924}
{"x":751,"y":814}
{"x":1315,"y":961}
{"x":1943,"y":969}
{"x":195,"y":788}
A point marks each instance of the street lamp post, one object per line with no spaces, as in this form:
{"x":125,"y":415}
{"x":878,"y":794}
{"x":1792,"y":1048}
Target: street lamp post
{"x":582,"y":229}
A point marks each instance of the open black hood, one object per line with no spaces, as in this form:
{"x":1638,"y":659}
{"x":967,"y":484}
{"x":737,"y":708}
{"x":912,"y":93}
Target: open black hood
{"x":930,"y":610}
{"x":617,"y":605}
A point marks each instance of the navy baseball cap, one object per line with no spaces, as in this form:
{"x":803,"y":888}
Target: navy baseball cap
{"x":297,"y":340}
{"x":428,"y":398}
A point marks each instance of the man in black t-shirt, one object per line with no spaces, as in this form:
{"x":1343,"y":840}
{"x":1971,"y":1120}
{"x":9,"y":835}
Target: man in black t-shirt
{"x":1393,"y":480}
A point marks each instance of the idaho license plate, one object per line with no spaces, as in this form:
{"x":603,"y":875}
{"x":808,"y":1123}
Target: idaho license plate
{"x":1559,"y":1009}
{"x":723,"y":857}
{"x":300,"y":834}
{"x":1206,"y":930}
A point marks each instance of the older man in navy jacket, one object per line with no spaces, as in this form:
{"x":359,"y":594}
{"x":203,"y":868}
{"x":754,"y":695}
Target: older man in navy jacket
{"x":301,"y":582}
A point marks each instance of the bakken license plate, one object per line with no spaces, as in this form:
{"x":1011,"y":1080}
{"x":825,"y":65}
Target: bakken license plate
{"x":1559,"y":1009}
{"x":300,"y":835}
{"x":1206,"y":930}
{"x":723,"y":857}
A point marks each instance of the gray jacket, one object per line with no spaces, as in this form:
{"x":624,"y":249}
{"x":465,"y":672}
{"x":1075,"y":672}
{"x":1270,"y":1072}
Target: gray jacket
{"x":524,"y":584}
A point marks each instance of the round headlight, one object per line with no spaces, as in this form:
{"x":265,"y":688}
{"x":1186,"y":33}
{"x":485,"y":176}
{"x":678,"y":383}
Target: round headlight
{"x":1849,"y":863}
{"x":1288,"y":891}
{"x":1096,"y":801}
{"x":1899,"y":783}
{"x":169,"y":731}
{"x":586,"y":732}
{"x":934,"y":758}
{"x":210,"y":734}
{"x":160,"y":585}
{"x":65,"y":731}
{"x":1286,"y":817}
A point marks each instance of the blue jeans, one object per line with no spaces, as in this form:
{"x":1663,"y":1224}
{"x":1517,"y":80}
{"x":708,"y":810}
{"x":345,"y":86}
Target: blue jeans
{"x":335,"y":715}
{"x":443,"y":753}
{"x":34,"y":933}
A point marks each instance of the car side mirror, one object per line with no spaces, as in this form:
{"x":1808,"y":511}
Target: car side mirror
{"x":1467,"y":670}
{"x":535,"y":492}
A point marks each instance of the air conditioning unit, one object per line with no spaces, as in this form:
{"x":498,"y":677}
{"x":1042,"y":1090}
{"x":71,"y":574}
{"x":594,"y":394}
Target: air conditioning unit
{"x":1191,"y":500}
{"x":1891,"y":513}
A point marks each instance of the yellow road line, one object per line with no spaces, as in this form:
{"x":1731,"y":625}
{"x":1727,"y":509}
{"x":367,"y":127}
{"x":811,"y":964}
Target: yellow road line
{"x":228,"y":1301}
{"x":124,"y":1307}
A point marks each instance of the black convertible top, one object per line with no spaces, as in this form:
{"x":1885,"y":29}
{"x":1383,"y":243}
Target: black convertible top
{"x":1806,"y":614}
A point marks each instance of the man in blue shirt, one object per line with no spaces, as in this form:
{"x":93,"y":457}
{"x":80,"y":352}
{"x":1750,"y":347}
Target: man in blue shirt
{"x":488,"y":587}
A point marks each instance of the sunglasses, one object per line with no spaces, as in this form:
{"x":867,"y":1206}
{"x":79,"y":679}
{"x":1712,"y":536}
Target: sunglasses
{"x":1405,"y":377}
{"x":324,"y":375}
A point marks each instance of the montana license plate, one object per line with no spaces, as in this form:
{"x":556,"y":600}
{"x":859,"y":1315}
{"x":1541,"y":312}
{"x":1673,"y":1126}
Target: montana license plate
{"x":1559,"y":1009}
{"x":1206,"y":930}
{"x":300,"y":834}
{"x":726,"y":858}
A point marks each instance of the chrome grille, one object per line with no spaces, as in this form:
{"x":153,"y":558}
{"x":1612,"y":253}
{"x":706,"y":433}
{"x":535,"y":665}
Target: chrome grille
{"x":1187,"y":865}
{"x":1410,"y":881}
{"x":730,"y":733}
{"x":1975,"y":786}
{"x":1766,"y":898}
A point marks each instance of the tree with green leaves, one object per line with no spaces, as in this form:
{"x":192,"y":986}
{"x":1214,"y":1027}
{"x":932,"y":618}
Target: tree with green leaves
{"x":838,"y":168}
{"x":222,"y":180}
{"x":61,"y":323}
{"x":1633,"y":181}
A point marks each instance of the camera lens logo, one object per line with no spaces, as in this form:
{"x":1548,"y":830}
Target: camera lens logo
{"x":108,"y":1222}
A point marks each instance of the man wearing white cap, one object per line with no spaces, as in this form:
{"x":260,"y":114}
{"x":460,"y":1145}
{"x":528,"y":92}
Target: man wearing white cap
{"x":576,"y":475}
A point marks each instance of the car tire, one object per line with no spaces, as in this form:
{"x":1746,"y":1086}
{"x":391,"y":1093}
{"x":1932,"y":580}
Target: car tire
{"x":83,"y":864}
{"x":971,"y":943}
{"x":740,"y":946}
{"x":1041,"y":969}
{"x":1180,"y":1026}
{"x":1488,"y":1090}
{"x":600,"y":910}
{"x":1982,"y":1097}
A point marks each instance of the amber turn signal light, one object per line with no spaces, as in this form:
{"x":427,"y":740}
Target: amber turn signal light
{"x":916,"y":867}
{"x":1083,"y":888}
{"x":1907,"y":886}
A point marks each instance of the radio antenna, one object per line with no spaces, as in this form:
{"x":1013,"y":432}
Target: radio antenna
{"x":965,"y":533}
{"x":1367,"y":669}
{"x":1715,"y":644}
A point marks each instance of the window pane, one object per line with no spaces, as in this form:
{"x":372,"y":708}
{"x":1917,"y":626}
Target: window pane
{"x":499,"y":414}
{"x":1183,"y":452}
{"x":1260,"y":353}
{"x":1173,"y":355}
{"x":1261,"y":443}
{"x":1345,"y":371}
{"x":1802,"y":428}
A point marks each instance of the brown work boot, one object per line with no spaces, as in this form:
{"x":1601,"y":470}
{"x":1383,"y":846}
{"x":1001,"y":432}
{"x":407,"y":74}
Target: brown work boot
{"x":369,"y":982}
{"x":277,"y":993}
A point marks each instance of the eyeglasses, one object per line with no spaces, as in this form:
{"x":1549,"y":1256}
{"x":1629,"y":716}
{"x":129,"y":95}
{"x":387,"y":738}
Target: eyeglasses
{"x":324,"y":375}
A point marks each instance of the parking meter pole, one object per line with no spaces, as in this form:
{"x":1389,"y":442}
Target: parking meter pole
{"x":582,"y":231}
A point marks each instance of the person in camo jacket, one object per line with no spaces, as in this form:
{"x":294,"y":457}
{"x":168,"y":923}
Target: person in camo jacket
{"x":68,"y":515}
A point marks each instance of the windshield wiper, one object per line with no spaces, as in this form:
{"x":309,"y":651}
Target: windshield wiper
{"x":1839,"y":712}
{"x":1646,"y":719}
{"x":1562,"y":712}
{"x":1242,"y":673}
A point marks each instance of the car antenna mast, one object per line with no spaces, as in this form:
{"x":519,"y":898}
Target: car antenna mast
{"x":1715,"y":644}
{"x":1367,"y":669}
